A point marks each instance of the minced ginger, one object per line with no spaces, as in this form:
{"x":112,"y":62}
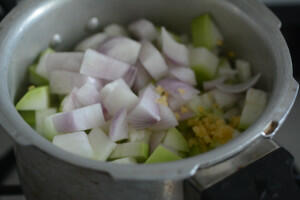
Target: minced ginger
{"x":209,"y":130}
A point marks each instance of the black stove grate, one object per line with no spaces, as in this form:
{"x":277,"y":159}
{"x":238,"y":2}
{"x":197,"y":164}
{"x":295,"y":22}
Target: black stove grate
{"x":7,"y":164}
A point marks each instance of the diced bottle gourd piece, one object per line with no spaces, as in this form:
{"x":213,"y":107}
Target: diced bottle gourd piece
{"x":159,"y":38}
{"x":205,"y":33}
{"x":125,"y":161}
{"x":35,"y":78}
{"x":204,"y":101}
{"x":175,"y":140}
{"x":29,"y":117}
{"x":101,"y":144}
{"x":256,"y":101}
{"x":139,"y":135}
{"x":35,"y":99}
{"x":162,"y":154}
{"x":224,"y":63}
{"x":243,"y":69}
{"x":204,"y":63}
{"x":137,"y":150}
{"x":49,"y":130}
{"x":76,"y":143}
{"x":40,"y":117}
{"x":41,"y":67}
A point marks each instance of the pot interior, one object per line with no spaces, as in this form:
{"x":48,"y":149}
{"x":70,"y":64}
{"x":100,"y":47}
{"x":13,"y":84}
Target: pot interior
{"x":69,"y":19}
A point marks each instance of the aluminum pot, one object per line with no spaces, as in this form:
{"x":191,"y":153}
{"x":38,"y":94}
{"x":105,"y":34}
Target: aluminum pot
{"x":48,"y":172}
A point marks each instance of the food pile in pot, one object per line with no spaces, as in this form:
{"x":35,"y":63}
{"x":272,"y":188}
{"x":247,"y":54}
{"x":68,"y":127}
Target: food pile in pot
{"x":143,"y":94}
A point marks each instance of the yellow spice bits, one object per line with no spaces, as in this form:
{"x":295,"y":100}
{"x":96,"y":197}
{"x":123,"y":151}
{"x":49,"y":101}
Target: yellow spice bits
{"x":210,"y":130}
{"x":231,"y":54}
{"x":177,"y":115}
{"x":184,"y":109}
{"x":163,"y":100}
{"x":201,"y":110}
{"x":181,"y":91}
{"x":220,"y":43}
{"x":31,"y":87}
{"x":163,"y":96}
{"x":159,"y":90}
{"x":235,"y":121}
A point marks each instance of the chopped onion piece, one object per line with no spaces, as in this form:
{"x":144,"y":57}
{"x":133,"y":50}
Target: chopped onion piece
{"x":67,"y":61}
{"x":114,"y":30}
{"x":209,"y":85}
{"x":63,"y":82}
{"x":178,"y":89}
{"x":70,"y":102}
{"x":76,"y":143}
{"x":88,"y":94}
{"x":101,"y":144}
{"x":146,"y":113}
{"x":130,"y":76}
{"x":121,"y":48}
{"x":119,"y":128}
{"x":153,"y":61}
{"x":101,"y":66}
{"x":176,"y":52}
{"x":117,"y":95}
{"x":175,"y":103}
{"x":143,"y":29}
{"x":238,"y":88}
{"x":92,"y":42}
{"x":80,"y":119}
{"x":184,"y":74}
{"x":142,"y":79}
{"x":167,"y":119}
{"x":98,"y":83}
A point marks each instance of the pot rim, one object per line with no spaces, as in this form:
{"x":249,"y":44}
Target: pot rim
{"x":23,"y":134}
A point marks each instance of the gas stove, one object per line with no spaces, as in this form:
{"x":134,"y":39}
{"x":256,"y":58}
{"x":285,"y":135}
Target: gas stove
{"x":287,"y":136}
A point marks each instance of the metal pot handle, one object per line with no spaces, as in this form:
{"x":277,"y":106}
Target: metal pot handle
{"x":283,"y":109}
{"x":268,"y":174}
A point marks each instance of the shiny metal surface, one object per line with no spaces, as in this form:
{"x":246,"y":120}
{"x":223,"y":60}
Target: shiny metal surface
{"x":249,"y":29}
{"x":52,"y":179}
